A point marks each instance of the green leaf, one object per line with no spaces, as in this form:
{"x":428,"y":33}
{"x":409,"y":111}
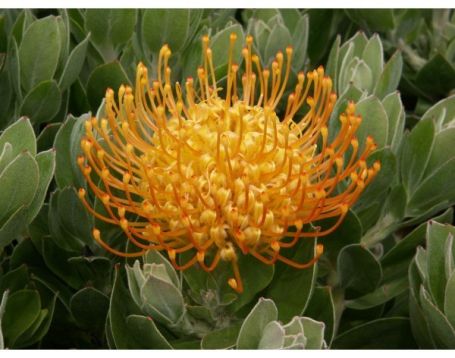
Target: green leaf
{"x":19,"y":181}
{"x":154,"y":257}
{"x":14,"y":279}
{"x":278,"y":40}
{"x":13,"y":226}
{"x":442,"y":150}
{"x":374,"y":122}
{"x":321,"y":308}
{"x":396,"y":118}
{"x":67,"y":147}
{"x":21,"y":136}
{"x":373,"y":56}
{"x":14,"y":67}
{"x":373,"y":19}
{"x":161,"y":300}
{"x":444,"y":109}
{"x":437,"y":235}
{"x":405,"y":248}
{"x":253,"y":327}
{"x":89,"y":308}
{"x":272,"y":336}
{"x":332,"y":62}
{"x":436,"y":77}
{"x":224,"y":338}
{"x":46,"y":167}
{"x":420,"y":328}
{"x":42,"y":102}
{"x":291,"y":288}
{"x":109,"y":75}
{"x":165,"y":26}
{"x":120,"y":307}
{"x":383,"y":333}
{"x":2,"y":312}
{"x":442,"y":332}
{"x":379,"y":296}
{"x":110,"y":26}
{"x":69,"y":222}
{"x":300,"y":41}
{"x":220,"y":46}
{"x":255,"y":275}
{"x":390,"y":77}
{"x":39,"y":52}
{"x":358,"y":269}
{"x":314,"y":333}
{"x":415,"y":154}
{"x":39,"y":328}
{"x":449,"y":302}
{"x":45,"y":140}
{"x":145,"y":334}
{"x":434,"y":190}
{"x":73,"y":65}
{"x":21,"y":310}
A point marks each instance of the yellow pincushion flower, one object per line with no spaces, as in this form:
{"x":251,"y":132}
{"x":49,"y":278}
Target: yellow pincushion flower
{"x":222,"y":175}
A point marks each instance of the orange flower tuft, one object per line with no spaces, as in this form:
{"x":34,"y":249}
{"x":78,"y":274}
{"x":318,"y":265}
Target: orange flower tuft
{"x":219,"y":174}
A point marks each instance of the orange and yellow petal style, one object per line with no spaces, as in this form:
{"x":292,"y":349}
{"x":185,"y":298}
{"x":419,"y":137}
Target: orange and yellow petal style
{"x":217,"y":170}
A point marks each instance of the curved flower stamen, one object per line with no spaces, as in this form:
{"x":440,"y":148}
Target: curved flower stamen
{"x":222,"y":174}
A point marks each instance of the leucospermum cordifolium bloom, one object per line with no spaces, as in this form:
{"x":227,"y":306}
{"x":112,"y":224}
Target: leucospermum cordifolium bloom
{"x":216,"y":171}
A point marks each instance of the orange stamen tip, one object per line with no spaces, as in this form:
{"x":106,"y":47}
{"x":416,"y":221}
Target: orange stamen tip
{"x":233,"y":283}
{"x":81,"y":193}
{"x":319,"y":249}
{"x":96,"y":234}
{"x":171,"y":253}
{"x":377,"y":165}
{"x":275,"y":246}
{"x":200,"y":256}
{"x":344,"y":209}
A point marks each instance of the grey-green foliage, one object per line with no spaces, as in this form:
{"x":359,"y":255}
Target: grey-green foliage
{"x":156,"y":289}
{"x":420,"y":187}
{"x":40,"y":67}
{"x":359,"y":63}
{"x":427,"y":40}
{"x":274,"y":30}
{"x":432,"y":289}
{"x":262,"y":330}
{"x":25,"y":176}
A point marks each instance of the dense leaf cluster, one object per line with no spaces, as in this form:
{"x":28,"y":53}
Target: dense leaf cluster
{"x":387,"y":278}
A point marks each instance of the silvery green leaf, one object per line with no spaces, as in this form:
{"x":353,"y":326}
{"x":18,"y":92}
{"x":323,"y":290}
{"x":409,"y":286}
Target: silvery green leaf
{"x":374,"y":57}
{"x":21,"y":136}
{"x":252,"y":329}
{"x":314,"y":333}
{"x":449,"y":256}
{"x":6,"y":156}
{"x":441,"y":330}
{"x":374,"y":122}
{"x":294,"y":327}
{"x":162,"y":300}
{"x":153,"y":256}
{"x":449,"y":302}
{"x":390,"y":76}
{"x":136,"y":280}
{"x":272,"y":336}
{"x":416,"y":153}
{"x":157,"y":270}
{"x":396,"y":118}
{"x":2,"y":312}
{"x":39,"y":52}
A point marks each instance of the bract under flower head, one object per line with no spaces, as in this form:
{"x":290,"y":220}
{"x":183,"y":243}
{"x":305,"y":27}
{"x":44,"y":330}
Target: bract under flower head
{"x":216,"y":170}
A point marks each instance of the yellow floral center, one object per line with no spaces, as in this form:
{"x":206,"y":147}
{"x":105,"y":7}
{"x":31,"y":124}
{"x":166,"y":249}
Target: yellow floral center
{"x":223,"y":175}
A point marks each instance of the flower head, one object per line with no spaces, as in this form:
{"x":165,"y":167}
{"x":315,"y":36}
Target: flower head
{"x":216,"y":170}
